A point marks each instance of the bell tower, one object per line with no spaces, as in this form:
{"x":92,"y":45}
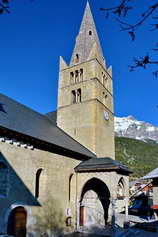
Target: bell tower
{"x":85,"y":95}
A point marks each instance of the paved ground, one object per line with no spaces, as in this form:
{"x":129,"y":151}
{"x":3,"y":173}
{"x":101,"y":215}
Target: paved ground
{"x":83,"y":235}
{"x":100,"y":231}
{"x":132,"y":233}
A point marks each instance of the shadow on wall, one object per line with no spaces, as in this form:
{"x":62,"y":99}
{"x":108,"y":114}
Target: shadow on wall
{"x":49,"y":219}
{"x":12,"y":188}
{"x":13,"y":192}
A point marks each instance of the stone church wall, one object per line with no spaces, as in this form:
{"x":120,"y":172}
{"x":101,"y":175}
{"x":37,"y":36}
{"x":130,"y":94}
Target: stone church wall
{"x":22,"y":166}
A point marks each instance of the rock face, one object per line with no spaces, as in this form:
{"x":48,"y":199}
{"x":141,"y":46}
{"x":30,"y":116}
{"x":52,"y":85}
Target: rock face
{"x":132,"y":128}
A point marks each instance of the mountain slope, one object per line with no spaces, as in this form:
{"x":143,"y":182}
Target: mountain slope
{"x":141,"y":157}
{"x":130,"y":127}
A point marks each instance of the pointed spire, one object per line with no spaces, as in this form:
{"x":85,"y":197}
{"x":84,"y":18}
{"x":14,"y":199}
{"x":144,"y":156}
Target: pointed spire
{"x":86,"y":38}
{"x":95,"y":53}
{"x":62,"y":64}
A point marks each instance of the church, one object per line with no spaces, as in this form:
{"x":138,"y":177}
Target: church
{"x":58,"y":171}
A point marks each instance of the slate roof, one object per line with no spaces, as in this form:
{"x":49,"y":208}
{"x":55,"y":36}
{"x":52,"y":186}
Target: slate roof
{"x":151,"y":175}
{"x":52,"y":116}
{"x":96,"y":164}
{"x":19,"y":118}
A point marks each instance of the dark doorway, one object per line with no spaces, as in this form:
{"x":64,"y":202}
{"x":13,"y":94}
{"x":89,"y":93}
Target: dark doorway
{"x":17,"y":222}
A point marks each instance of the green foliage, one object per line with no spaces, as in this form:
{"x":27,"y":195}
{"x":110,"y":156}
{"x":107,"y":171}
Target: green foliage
{"x":141,"y":157}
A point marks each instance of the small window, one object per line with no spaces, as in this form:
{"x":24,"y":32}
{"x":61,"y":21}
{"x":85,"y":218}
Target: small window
{"x":70,"y":178}
{"x":81,"y":74}
{"x":76,"y":96}
{"x":76,"y":76}
{"x":73,"y":96}
{"x":71,"y":77}
{"x":79,"y":95}
{"x":37,"y":184}
{"x":77,"y":58}
{"x":90,"y":32}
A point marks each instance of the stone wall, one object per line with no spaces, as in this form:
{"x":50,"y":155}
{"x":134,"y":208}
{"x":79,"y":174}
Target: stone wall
{"x":93,"y":114}
{"x":22,"y":165}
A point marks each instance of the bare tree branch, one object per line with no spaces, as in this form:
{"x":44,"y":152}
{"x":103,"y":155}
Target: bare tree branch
{"x":151,"y":13}
{"x":145,"y":16}
{"x":120,"y":10}
{"x":4,"y":5}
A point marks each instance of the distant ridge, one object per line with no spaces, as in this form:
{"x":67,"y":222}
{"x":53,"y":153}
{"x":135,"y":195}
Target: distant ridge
{"x":132,"y":128}
{"x":136,"y":145}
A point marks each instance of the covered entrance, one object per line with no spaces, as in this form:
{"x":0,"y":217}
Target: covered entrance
{"x":94,"y":199}
{"x":17,"y":222}
{"x":94,"y":203}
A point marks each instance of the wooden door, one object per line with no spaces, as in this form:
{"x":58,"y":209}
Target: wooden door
{"x":17,"y":222}
{"x":82,"y":216}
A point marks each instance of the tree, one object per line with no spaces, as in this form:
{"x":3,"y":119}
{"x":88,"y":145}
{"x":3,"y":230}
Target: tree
{"x":141,"y":15}
{"x":4,"y":6}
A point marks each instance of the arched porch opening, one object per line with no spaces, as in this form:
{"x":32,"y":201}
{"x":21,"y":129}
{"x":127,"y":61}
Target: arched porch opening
{"x":121,"y":189}
{"x":94,"y":203}
{"x":17,"y":222}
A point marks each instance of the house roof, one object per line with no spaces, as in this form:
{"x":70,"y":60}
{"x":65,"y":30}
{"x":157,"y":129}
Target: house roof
{"x":19,"y":118}
{"x":151,"y":175}
{"x":96,"y":164}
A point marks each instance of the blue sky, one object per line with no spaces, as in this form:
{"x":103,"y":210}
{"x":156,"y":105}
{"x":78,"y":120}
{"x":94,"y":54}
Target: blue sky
{"x":33,"y":37}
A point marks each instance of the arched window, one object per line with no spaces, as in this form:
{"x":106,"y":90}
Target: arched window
{"x":79,"y":97}
{"x":77,"y":58}
{"x":71,"y":77}
{"x":76,"y":76}
{"x":81,"y":74}
{"x":37,"y":183}
{"x":70,"y":178}
{"x":73,"y":97}
{"x":90,"y":32}
{"x":120,"y":189}
{"x":76,"y":96}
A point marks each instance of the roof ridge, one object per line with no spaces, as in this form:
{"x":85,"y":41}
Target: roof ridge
{"x":23,"y":105}
{"x":22,"y":119}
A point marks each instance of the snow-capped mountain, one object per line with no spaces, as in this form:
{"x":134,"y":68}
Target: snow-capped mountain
{"x":132,"y":128}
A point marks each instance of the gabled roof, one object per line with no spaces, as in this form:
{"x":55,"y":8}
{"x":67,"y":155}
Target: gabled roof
{"x":100,"y":164}
{"x":19,"y":118}
{"x":151,"y":175}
